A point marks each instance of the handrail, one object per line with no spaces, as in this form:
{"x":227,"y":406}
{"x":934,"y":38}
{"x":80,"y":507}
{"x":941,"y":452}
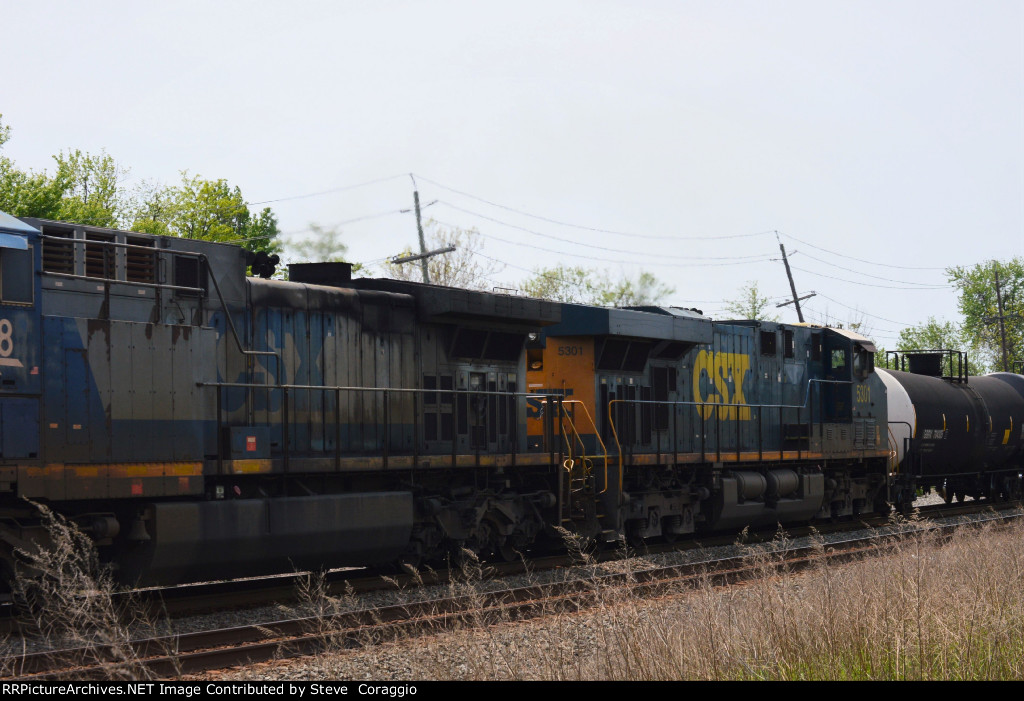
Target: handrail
{"x":408,"y":390}
{"x":286,"y":389}
{"x":162,"y":286}
{"x":579,"y":438}
{"x":713,"y":405}
{"x":115,"y":281}
{"x":231,"y":323}
{"x":894,"y":452}
{"x":115,"y":244}
{"x":597,"y":434}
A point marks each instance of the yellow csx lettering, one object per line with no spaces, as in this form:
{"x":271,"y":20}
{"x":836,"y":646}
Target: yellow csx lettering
{"x":718,"y":379}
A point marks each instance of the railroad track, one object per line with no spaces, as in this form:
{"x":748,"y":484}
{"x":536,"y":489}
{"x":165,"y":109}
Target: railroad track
{"x":206,"y":597}
{"x":191,"y":653}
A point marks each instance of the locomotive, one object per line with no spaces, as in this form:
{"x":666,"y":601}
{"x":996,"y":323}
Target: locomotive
{"x":198,"y":422}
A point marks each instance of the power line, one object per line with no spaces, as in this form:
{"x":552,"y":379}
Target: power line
{"x":574,"y":283}
{"x":859,"y":260}
{"x":738,"y":259}
{"x":873,"y":316}
{"x":587,"y":245}
{"x":589,"y":228}
{"x":876,"y":277}
{"x":332,"y":190}
{"x":618,"y":260}
{"x":326,"y":226}
{"x":867,"y":284}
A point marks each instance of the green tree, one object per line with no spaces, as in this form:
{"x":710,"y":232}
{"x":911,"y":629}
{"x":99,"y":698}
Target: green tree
{"x":464,"y":267}
{"x":260,"y":232}
{"x":91,"y":194}
{"x":939,"y":335}
{"x":978,"y":304}
{"x":573,"y":284}
{"x":324,"y":246}
{"x":27,"y":193}
{"x":579,"y":285}
{"x":152,"y":208}
{"x":88,"y":189}
{"x":84,"y":188}
{"x":751,"y":304}
{"x":210,"y":210}
{"x":631,"y":292}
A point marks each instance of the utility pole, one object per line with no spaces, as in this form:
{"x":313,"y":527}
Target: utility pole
{"x":423,"y":243}
{"x":792,"y":285}
{"x":1001,"y":317}
{"x":1002,"y":326}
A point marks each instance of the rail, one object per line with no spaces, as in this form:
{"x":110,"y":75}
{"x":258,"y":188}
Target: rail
{"x":390,"y":422}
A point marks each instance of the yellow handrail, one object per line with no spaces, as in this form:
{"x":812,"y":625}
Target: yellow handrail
{"x":583,"y":445}
{"x":586,"y":462}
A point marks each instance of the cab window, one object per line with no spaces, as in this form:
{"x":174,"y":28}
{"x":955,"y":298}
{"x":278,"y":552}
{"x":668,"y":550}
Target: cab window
{"x":863,"y":363}
{"x":16,"y":276}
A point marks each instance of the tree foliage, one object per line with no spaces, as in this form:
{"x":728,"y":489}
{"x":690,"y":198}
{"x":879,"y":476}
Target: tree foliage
{"x":978,"y":304}
{"x":324,"y":246}
{"x":464,"y":267}
{"x":89,"y":189}
{"x":939,"y":335}
{"x":580,"y":285}
{"x":571,"y":284}
{"x":751,"y":304}
{"x":26,"y":193}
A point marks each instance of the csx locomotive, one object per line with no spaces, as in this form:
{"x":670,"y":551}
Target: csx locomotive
{"x":197,"y":422}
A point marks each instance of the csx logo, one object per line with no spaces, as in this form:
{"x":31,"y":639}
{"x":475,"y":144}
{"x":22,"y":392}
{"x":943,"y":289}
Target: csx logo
{"x":535,"y":405}
{"x":718,"y":379}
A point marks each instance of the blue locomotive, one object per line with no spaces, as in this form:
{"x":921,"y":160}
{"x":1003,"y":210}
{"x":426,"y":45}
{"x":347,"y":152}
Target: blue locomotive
{"x":198,"y":422}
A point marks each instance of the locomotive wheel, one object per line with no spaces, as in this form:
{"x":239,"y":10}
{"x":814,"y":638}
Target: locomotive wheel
{"x":633,"y":537}
{"x":904,"y":501}
{"x":408,"y":564}
{"x":507,"y":552}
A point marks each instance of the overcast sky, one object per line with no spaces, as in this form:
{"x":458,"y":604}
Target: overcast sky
{"x":884,"y":141}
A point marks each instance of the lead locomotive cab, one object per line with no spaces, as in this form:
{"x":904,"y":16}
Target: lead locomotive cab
{"x":19,"y":352}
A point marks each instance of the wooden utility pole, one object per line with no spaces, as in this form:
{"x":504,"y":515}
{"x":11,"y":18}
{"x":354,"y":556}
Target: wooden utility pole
{"x":1002,"y":326}
{"x":423,"y":243}
{"x":792,"y":285}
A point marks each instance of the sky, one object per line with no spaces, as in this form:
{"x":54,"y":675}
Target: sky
{"x":880,"y":142}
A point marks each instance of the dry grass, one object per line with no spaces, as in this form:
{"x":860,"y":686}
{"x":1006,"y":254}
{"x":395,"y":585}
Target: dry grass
{"x":931,"y":610}
{"x":68,"y":602}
